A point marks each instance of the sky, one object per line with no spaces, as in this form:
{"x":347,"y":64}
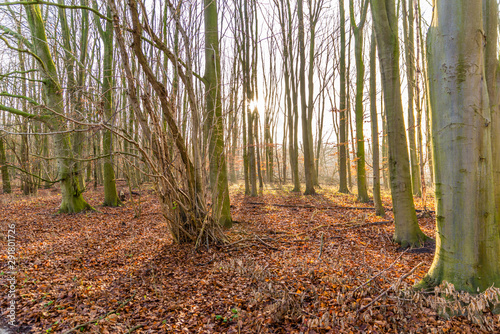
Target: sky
{"x":327,"y":27}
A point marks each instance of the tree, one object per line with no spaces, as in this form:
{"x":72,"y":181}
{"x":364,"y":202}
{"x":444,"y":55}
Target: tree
{"x":490,"y":10}
{"x":110,"y":194}
{"x":285,"y":19}
{"x":342,"y":115}
{"x":27,"y":184}
{"x":408,"y":31}
{"x":377,"y":199}
{"x":248,"y":60}
{"x":467,"y":243}
{"x":407,"y":232}
{"x":6,"y":187}
{"x":213,"y":123}
{"x":180,"y":189}
{"x":360,"y":78}
{"x":314,"y":15}
{"x":53,"y":113}
{"x":291,"y":92}
{"x":305,"y":116}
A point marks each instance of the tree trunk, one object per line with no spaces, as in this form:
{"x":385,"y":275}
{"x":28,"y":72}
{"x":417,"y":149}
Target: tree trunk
{"x":28,"y":186}
{"x":72,"y":199}
{"x":410,"y":77}
{"x":218,"y":169}
{"x":407,"y":232}
{"x":490,"y":14}
{"x":246,"y":175}
{"x":377,"y":199}
{"x":418,"y":104}
{"x":6,"y":187}
{"x":306,"y":126}
{"x":385,"y":146}
{"x":257,"y":146}
{"x":291,"y":94}
{"x":467,"y":243}
{"x":342,"y":115}
{"x":360,"y":77}
{"x":233,"y":121}
{"x":314,"y":12}
{"x":110,"y":194}
{"x":251,"y":154}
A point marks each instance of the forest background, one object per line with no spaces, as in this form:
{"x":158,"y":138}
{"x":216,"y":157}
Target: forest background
{"x":211,"y":116}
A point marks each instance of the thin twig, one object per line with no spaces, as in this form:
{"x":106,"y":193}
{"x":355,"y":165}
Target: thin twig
{"x":391,"y":287}
{"x":134,"y":328}
{"x":321,"y":246}
{"x":236,"y":242}
{"x":265,"y":243}
{"x":381,"y":272}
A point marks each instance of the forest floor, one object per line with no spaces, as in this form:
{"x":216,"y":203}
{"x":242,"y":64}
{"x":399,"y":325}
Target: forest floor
{"x":295,"y":264}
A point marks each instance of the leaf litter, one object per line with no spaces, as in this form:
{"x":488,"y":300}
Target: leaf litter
{"x":294,"y":264}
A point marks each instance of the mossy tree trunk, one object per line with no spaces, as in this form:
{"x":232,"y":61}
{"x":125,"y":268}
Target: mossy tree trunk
{"x":407,"y":232}
{"x":110,"y":193}
{"x":217,"y":158}
{"x":6,"y":187}
{"x":73,"y":102}
{"x":72,"y":199}
{"x":342,"y":115}
{"x":467,"y":243}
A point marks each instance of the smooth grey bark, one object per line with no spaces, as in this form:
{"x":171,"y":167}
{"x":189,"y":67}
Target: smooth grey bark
{"x":467,"y":231}
{"x":385,"y":148}
{"x":377,"y":198}
{"x":418,"y":103}
{"x":490,"y":12}
{"x":408,"y":32}
{"x":407,"y":232}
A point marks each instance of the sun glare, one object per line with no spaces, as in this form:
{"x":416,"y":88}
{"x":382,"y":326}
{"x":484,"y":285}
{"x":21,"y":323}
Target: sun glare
{"x":256,"y":104}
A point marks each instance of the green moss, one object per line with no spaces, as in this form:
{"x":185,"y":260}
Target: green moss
{"x":413,"y":240}
{"x":461,"y":72}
